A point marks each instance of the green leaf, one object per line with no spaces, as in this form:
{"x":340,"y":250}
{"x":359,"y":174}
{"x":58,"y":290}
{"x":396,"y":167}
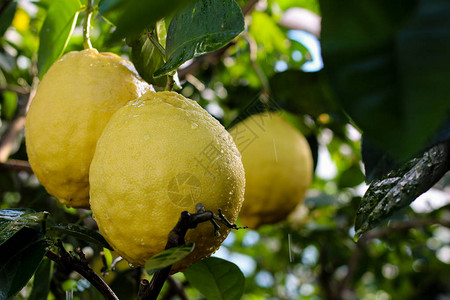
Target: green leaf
{"x":7,"y":11}
{"x":147,"y":58}
{"x":302,"y":93}
{"x":137,"y":15}
{"x":20,"y":256}
{"x":351,"y":177}
{"x":9,"y":107}
{"x":42,"y":278}
{"x":202,"y":27}
{"x":216,"y":278}
{"x":80,"y":232}
{"x":12,"y":221}
{"x":388,"y":62}
{"x":56,"y":31}
{"x":167,"y":258}
{"x":400,"y":187}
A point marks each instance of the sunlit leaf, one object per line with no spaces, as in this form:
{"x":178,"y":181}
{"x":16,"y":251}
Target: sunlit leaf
{"x":147,"y":58}
{"x":400,"y":187}
{"x":167,"y":258}
{"x":390,"y":70}
{"x":56,"y":31}
{"x":12,"y":221}
{"x":202,"y":27}
{"x":217,"y":278}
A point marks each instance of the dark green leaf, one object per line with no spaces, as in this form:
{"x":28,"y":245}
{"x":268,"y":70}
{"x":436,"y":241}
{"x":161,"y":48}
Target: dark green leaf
{"x":302,"y":93}
{"x":216,"y":278}
{"x":167,"y":258}
{"x":12,"y":221}
{"x":146,"y":57}
{"x":377,"y":163}
{"x":106,"y":6}
{"x":80,"y":232}
{"x":400,"y":187}
{"x":351,"y":177}
{"x":389,"y":64}
{"x":202,"y":27}
{"x":56,"y":31}
{"x":136,"y":15}
{"x":7,"y":11}
{"x":19,"y":258}
{"x":42,"y":278}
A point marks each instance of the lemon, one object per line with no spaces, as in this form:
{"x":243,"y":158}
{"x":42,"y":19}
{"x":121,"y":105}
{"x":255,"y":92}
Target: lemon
{"x":72,"y":105}
{"x":278,"y":168}
{"x":158,"y":156}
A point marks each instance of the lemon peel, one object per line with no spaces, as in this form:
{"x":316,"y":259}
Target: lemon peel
{"x":73,"y":103}
{"x":278,"y":167}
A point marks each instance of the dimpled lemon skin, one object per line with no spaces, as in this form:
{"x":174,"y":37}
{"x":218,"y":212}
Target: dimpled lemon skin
{"x":278,"y":168}
{"x":158,"y":156}
{"x":72,"y":105}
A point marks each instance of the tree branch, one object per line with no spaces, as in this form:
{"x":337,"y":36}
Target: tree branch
{"x":16,"y":125}
{"x":80,"y":265}
{"x":16,"y":165}
{"x":150,"y":291}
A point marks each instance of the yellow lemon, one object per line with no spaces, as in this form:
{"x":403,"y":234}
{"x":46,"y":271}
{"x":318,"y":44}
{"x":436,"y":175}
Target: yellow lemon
{"x":278,"y":168}
{"x":158,"y":156}
{"x":72,"y":105}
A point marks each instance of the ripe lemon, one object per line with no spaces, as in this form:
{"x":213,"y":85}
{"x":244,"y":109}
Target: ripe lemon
{"x":278,"y":168}
{"x":72,"y":105}
{"x":158,"y":156}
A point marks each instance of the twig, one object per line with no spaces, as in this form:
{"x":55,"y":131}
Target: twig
{"x":176,"y":288}
{"x":80,"y":265}
{"x":87,"y":24}
{"x":16,"y":165}
{"x":380,"y":233}
{"x":150,"y":291}
{"x":253,"y":46}
{"x":16,"y":89}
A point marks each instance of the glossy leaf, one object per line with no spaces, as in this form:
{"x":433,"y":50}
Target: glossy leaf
{"x":202,"y":27}
{"x":217,"y":278}
{"x":56,"y":31}
{"x":400,"y":187}
{"x":167,"y":258}
{"x":147,"y":58}
{"x":12,"y":221}
{"x":390,"y":70}
{"x":136,"y":15}
{"x":80,"y":232}
{"x":42,"y":278}
{"x":7,"y":11}
{"x":20,"y":256}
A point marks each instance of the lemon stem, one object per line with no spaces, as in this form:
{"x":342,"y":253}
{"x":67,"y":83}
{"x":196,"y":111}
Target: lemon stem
{"x":87,"y":24}
{"x":170,"y":83}
{"x":151,"y":290}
